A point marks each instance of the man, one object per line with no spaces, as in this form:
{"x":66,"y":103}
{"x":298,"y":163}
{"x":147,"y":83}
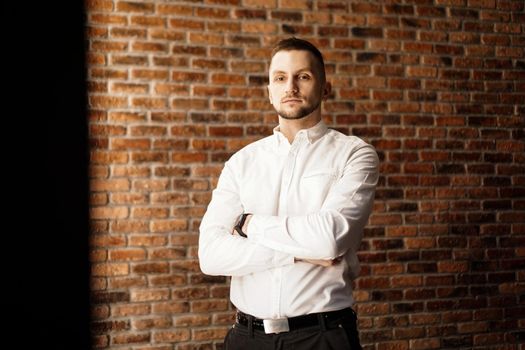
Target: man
{"x":287,"y":217}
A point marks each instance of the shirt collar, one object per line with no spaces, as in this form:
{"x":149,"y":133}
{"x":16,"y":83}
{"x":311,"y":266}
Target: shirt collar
{"x":312,"y":134}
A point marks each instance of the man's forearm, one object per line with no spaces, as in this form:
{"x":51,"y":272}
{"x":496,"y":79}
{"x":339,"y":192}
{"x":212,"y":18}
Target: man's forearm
{"x":223,"y":252}
{"x":319,"y":262}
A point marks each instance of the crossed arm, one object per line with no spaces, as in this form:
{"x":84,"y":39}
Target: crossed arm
{"x":319,"y":238}
{"x":320,"y":262}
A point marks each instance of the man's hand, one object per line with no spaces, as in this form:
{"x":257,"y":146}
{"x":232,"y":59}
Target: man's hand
{"x":321,"y":262}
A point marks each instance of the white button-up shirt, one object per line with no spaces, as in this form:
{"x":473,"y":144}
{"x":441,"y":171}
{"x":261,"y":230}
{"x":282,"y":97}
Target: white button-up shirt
{"x":310,"y":199}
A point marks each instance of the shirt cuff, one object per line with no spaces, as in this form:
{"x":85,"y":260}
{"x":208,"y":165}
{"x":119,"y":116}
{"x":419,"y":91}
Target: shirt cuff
{"x":255,"y":229}
{"x":282,"y":259}
{"x":255,"y":233}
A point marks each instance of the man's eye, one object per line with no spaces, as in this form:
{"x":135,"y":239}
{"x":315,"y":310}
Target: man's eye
{"x":279,"y":78}
{"x":304,"y":77}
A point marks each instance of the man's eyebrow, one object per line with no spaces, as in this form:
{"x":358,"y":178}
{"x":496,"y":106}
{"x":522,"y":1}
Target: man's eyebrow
{"x":298,"y":71}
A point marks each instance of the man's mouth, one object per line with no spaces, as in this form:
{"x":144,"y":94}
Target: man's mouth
{"x":292,"y":100}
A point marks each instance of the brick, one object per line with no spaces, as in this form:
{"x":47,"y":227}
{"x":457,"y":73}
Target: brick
{"x":152,"y":323}
{"x":132,"y":6}
{"x":415,"y":332}
{"x":168,"y":280}
{"x":182,"y":23}
{"x":446,"y":266}
{"x":100,"y":327}
{"x":125,"y":32}
{"x":148,"y":21}
{"x":220,"y":292}
{"x":126,"y":282}
{"x":169,"y":226}
{"x":203,"y":305}
{"x":129,"y":60}
{"x":94,"y":59}
{"x":150,"y":240}
{"x":150,"y":185}
{"x":149,"y":74}
{"x":104,"y":18}
{"x":192,"y":321}
{"x":225,"y":318}
{"x":107,"y":101}
{"x":367,"y":32}
{"x":190,"y":50}
{"x":149,"y":212}
{"x":221,"y":131}
{"x":209,"y":39}
{"x":110,"y":269}
{"x":173,"y":336}
{"x":101,"y":312}
{"x":149,"y":268}
{"x":387,"y":269}
{"x":109,"y":212}
{"x":191,"y":103}
{"x":109,"y":46}
{"x":173,"y":9}
{"x":131,"y":338}
{"x":130,"y":88}
{"x":99,"y":5}
{"x":131,"y":171}
{"x":110,"y":185}
{"x":414,"y":23}
{"x":371,"y":283}
{"x":123,"y":144}
{"x":190,"y":184}
{"x":296,"y":4}
{"x":250,"y":14}
{"x":421,"y":344}
{"x":150,"y":47}
{"x":484,"y":339}
{"x":169,"y":198}
{"x":229,"y":105}
{"x":128,"y":226}
{"x":170,"y":307}
{"x":395,"y":345}
{"x":109,"y":73}
{"x":229,"y":79}
{"x":127,"y":255}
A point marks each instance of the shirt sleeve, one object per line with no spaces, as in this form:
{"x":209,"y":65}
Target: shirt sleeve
{"x":337,"y":227}
{"x":220,"y":252}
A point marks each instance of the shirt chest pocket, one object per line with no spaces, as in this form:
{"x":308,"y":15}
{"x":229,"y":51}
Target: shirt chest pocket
{"x":315,"y":184}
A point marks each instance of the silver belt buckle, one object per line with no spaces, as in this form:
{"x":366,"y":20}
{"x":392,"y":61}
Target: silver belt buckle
{"x":277,"y":325}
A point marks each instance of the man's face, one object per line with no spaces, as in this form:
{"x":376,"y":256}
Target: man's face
{"x":296,"y":86}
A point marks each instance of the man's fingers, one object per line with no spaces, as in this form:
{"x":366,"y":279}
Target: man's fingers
{"x":324,"y":263}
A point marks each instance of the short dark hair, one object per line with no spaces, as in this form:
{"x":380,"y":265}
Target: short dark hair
{"x":294,"y":43}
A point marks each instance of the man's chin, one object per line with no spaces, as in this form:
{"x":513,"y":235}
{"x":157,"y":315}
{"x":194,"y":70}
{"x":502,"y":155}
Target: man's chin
{"x":291,"y":117}
{"x":294,"y":115}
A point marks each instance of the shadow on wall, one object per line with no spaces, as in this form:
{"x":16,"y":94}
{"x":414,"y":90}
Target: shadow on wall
{"x":47,"y":190}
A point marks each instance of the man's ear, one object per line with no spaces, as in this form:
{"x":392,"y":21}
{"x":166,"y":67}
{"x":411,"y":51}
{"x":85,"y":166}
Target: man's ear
{"x":269,"y":94}
{"x":327,"y":90}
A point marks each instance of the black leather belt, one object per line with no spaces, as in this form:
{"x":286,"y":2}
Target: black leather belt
{"x":293,"y":323}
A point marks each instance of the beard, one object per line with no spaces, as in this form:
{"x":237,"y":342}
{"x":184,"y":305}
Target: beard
{"x":298,"y":113}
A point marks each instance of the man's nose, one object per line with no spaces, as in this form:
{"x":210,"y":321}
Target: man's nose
{"x":291,"y":86}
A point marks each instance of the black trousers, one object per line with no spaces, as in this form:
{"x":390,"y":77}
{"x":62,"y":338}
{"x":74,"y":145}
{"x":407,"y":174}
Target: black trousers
{"x":340,"y":334}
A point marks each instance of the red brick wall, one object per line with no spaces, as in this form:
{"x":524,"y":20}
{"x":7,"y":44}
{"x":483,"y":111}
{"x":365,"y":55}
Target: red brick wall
{"x":438,"y":86}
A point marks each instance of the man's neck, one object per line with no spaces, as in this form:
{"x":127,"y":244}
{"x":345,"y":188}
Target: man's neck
{"x":290,"y":127}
